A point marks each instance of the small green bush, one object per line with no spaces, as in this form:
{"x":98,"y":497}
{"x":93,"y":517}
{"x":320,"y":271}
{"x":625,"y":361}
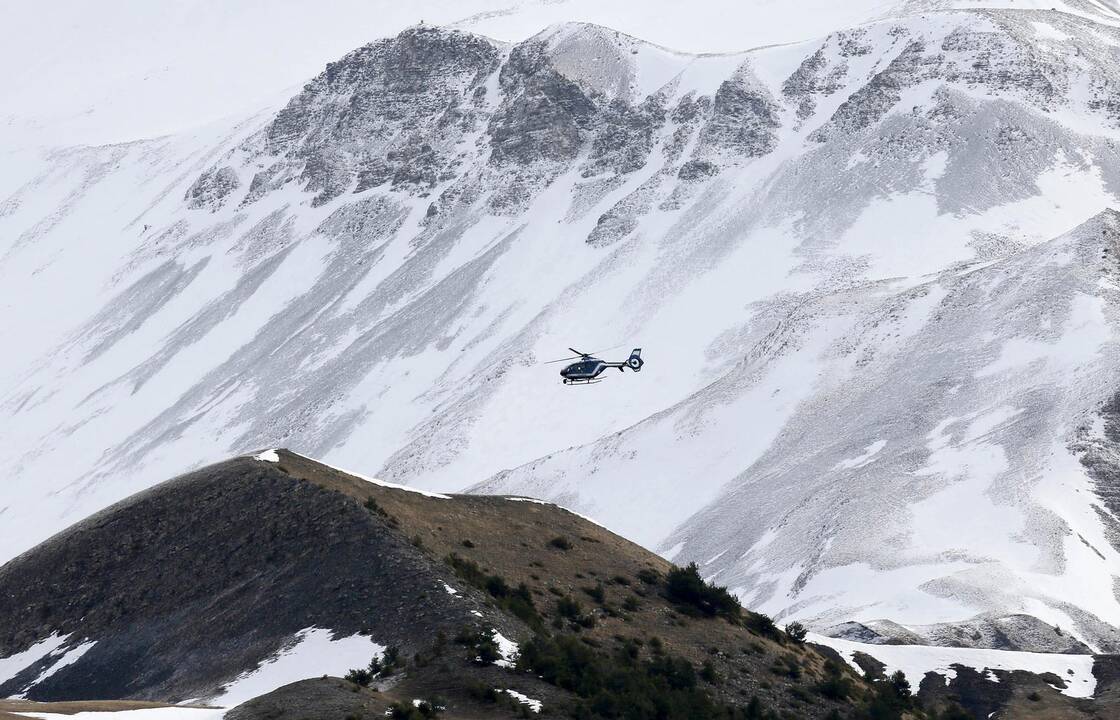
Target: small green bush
{"x":686,"y":588}
{"x":360,"y":676}
{"x":560,"y":543}
{"x":796,"y":632}
{"x":569,"y":608}
{"x":763,"y":625}
{"x":483,"y":648}
{"x":518,"y":601}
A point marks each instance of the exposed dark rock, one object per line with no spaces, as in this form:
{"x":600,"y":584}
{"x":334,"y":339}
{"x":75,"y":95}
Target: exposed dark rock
{"x":743,"y":120}
{"x":624,"y":136}
{"x":189,"y":584}
{"x":697,"y":170}
{"x":388,"y":111}
{"x":212,"y":187}
{"x":544,"y":115}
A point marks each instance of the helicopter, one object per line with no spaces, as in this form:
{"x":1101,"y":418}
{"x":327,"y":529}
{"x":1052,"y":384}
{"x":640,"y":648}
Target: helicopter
{"x":587,"y":368}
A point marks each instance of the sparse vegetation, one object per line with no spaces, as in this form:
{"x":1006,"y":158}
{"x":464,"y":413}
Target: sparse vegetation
{"x":762,"y":624}
{"x":360,"y":676}
{"x":518,"y":601}
{"x":417,"y":711}
{"x":596,"y":593}
{"x":787,"y":666}
{"x":569,"y":608}
{"x":891,"y":698}
{"x":484,"y":650}
{"x":649,"y":576}
{"x":796,"y":632}
{"x":621,"y":684}
{"x":560,"y":543}
{"x":687,"y":589}
{"x":835,"y":685}
{"x":378,"y":667}
{"x":375,"y":509}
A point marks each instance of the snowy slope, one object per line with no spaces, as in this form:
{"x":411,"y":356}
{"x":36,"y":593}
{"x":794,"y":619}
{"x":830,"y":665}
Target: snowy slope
{"x":869,"y":273}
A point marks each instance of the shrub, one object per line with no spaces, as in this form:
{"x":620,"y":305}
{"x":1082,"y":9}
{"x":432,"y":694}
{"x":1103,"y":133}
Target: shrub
{"x":649,"y":576}
{"x":786,"y":666}
{"x":1034,"y":696}
{"x":360,"y":676}
{"x":483,"y":647}
{"x":597,"y":593}
{"x":418,"y":711}
{"x":560,"y":543}
{"x":631,"y":603}
{"x":891,"y":698}
{"x":956,"y":712}
{"x":518,"y":601}
{"x":685,"y":587}
{"x":796,"y":632}
{"x":835,"y":685}
{"x":467,"y":544}
{"x":378,"y":667}
{"x":484,"y":692}
{"x":620,"y":685}
{"x":763,"y":625}
{"x":568,"y":608}
{"x":375,"y":509}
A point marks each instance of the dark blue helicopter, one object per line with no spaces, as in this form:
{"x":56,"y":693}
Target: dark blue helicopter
{"x":588,"y":368}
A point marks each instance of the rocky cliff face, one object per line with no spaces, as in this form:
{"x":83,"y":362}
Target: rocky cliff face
{"x":839,"y":256}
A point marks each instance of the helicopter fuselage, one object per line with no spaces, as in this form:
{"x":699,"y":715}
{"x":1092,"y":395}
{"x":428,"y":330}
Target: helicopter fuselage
{"x":585,"y":370}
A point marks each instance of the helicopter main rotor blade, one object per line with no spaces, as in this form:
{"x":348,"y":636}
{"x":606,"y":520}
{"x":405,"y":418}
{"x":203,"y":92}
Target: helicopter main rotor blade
{"x":577,"y":352}
{"x":607,"y":350}
{"x":567,"y":359}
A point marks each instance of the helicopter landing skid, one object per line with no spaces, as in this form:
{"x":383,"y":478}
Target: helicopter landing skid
{"x":582,"y":382}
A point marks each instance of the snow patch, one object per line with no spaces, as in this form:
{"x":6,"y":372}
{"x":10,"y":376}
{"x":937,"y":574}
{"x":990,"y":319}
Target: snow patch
{"x":312,"y":653}
{"x":163,"y":713}
{"x":382,"y":483}
{"x":14,"y":664}
{"x":507,"y":648}
{"x":859,"y":461}
{"x":916,"y":660}
{"x":528,"y":500}
{"x":268,"y":456}
{"x":70,"y":657}
{"x":534,"y":705}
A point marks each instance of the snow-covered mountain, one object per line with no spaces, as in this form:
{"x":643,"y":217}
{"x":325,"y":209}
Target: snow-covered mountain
{"x":873,"y":275}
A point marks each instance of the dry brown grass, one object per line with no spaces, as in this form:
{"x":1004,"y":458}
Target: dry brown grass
{"x":511,"y":539}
